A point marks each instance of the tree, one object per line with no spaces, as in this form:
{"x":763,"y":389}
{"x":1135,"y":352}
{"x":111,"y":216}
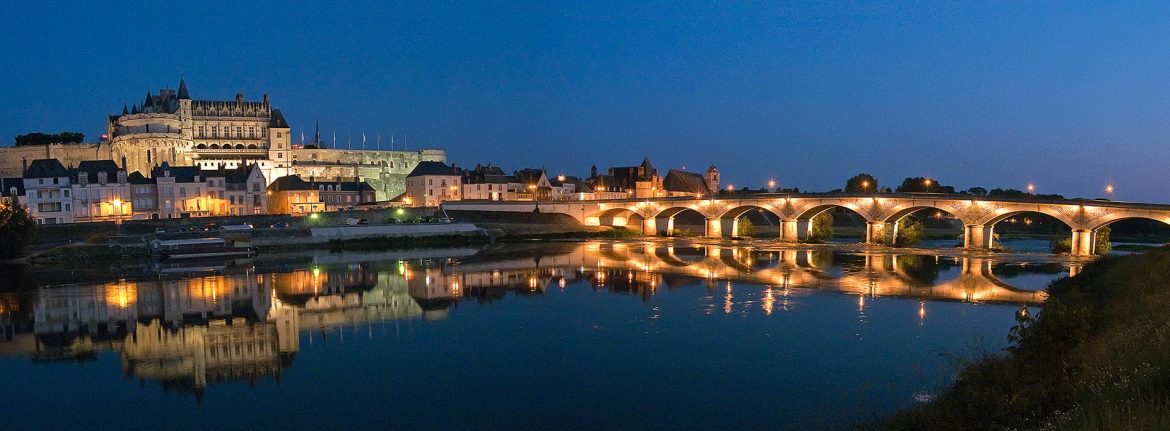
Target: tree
{"x":910,"y":232}
{"x":37,"y":138}
{"x":744,"y":228}
{"x":861,"y":183}
{"x":822,"y":227}
{"x":977,"y":191}
{"x":17,"y":228}
{"x":923,"y":185}
{"x":1103,"y":244}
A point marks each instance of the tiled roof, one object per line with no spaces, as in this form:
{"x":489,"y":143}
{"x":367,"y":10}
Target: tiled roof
{"x":91,"y":168}
{"x":46,"y":168}
{"x":686,"y":182}
{"x":434,"y":168}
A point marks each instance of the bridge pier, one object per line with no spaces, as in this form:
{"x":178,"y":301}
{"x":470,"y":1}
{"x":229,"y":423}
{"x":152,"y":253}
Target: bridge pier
{"x":875,"y":232}
{"x":794,"y":230}
{"x":714,"y":228}
{"x":1084,"y":242}
{"x":654,"y":226}
{"x":978,"y":237}
{"x":730,"y":227}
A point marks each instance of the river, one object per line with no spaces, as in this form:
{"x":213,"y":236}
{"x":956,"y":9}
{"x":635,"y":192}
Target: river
{"x":597,"y":335}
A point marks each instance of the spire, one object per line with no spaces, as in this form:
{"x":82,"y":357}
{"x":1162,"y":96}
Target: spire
{"x":148,"y":101}
{"x":183,"y":90}
{"x":134,"y":110}
{"x":317,"y":133}
{"x":124,"y":110}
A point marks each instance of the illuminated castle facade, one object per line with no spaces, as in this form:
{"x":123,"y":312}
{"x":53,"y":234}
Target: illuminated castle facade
{"x":172,"y":127}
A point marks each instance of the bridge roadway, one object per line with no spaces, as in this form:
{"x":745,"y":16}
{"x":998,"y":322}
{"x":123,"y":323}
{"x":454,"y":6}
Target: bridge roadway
{"x":979,"y":215}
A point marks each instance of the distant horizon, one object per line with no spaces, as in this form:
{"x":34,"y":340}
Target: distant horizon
{"x":1067,"y":97}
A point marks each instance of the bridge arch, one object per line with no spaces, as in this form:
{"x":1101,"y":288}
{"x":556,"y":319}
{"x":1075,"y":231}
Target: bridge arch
{"x":1122,"y":216}
{"x":799,"y":228}
{"x":900,"y":212}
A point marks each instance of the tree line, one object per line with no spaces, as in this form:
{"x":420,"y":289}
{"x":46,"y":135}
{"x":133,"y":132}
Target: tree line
{"x":37,"y":138}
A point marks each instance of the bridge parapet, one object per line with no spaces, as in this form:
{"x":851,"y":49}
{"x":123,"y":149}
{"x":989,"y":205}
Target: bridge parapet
{"x":882,"y":212}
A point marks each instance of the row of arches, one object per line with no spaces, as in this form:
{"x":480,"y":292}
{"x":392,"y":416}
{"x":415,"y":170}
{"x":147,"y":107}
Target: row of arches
{"x":226,"y":147}
{"x":978,"y":232}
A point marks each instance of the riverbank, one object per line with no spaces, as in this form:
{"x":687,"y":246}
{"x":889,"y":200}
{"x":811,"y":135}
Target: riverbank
{"x":1096,"y":357}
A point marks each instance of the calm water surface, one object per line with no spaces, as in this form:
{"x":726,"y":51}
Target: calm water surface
{"x":597,"y":335}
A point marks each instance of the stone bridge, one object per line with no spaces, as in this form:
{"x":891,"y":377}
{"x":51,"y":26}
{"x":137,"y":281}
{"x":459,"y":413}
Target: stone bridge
{"x":979,"y":215}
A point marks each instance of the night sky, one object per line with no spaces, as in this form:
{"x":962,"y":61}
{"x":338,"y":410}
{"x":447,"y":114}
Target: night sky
{"x":1070,"y":97}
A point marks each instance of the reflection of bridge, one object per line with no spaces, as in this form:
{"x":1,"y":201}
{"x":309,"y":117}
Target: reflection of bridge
{"x":648,"y":264}
{"x":979,"y":215}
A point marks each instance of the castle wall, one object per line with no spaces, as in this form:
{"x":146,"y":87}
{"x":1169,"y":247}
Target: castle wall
{"x":385,"y":170}
{"x":12,"y":158}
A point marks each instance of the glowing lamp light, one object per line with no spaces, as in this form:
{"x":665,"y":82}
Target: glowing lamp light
{"x":1109,"y":188}
{"x":314,"y":216}
{"x":400,"y":211}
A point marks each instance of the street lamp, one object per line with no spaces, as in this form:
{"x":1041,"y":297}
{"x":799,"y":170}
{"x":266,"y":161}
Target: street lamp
{"x":1109,"y":189}
{"x":1031,"y":188}
{"x":772,"y":185}
{"x":864,"y":185}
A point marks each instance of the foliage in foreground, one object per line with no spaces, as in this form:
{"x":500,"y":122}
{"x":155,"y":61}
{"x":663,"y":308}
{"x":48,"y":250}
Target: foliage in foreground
{"x":17,"y":228}
{"x":1096,"y":357}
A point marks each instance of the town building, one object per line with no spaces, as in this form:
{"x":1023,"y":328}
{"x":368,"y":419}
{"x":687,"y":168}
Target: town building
{"x":183,"y":192}
{"x":292,"y":195}
{"x":344,"y":194}
{"x":532,"y":185}
{"x":101,"y":192}
{"x":13,"y":188}
{"x":47,"y":191}
{"x":245,"y":188}
{"x":487,"y":183}
{"x":640,"y":181}
{"x":566,"y":187}
{"x":143,"y":197}
{"x":431,"y":183}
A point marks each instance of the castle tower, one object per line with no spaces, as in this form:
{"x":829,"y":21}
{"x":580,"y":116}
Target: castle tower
{"x":279,"y":147}
{"x":185,"y":110}
{"x":713,"y":179}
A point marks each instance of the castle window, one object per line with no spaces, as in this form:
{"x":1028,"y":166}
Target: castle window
{"x":251,"y":132}
{"x":239,"y":132}
{"x":202,"y":132}
{"x":214,"y":131}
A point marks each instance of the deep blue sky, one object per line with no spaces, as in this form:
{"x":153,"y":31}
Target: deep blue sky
{"x":1067,"y":96}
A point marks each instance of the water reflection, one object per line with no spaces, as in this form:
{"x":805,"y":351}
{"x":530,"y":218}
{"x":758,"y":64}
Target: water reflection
{"x":246,"y":322}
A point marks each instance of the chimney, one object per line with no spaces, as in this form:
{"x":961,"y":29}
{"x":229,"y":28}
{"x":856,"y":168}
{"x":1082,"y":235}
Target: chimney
{"x":24,"y":166}
{"x":240,"y":97}
{"x":265,"y":98}
{"x":123,"y":162}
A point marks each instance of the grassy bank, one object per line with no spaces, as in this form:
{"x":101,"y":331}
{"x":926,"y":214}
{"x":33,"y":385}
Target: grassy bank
{"x":1096,"y":357}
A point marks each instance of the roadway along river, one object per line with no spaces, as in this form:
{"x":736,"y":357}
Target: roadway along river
{"x":599,"y":335}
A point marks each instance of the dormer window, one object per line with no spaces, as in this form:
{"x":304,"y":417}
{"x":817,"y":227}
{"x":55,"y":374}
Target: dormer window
{"x":102,"y":178}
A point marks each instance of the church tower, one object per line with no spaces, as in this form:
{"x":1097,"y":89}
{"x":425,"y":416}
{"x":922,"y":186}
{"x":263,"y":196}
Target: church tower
{"x":713,"y":179}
